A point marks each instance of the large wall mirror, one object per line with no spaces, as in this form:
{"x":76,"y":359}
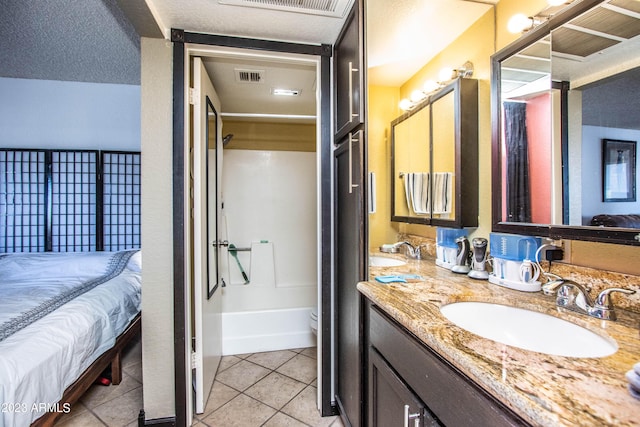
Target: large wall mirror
{"x":566,"y":122}
{"x":434,"y":169}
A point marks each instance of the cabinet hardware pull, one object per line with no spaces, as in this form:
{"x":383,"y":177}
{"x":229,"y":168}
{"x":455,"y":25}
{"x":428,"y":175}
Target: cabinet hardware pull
{"x":351,"y":71}
{"x":408,"y":417}
{"x":351,"y":184}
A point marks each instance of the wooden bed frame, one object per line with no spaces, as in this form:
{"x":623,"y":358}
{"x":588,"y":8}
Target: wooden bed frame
{"x":81,"y":385}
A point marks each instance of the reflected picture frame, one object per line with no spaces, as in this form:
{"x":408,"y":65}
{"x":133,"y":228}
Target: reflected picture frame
{"x":618,"y":170}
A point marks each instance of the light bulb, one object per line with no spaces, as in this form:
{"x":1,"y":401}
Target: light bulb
{"x":518,"y":23}
{"x":417,"y":96}
{"x":430,"y":86}
{"x":405,"y":105}
{"x":445,"y":74}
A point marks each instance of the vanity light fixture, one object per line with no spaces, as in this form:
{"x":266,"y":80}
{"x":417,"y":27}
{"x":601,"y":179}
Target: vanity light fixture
{"x":444,"y":76}
{"x":285,"y":92}
{"x":521,"y":23}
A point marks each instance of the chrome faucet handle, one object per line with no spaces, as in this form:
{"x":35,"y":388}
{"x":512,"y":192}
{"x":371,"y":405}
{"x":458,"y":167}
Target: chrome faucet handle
{"x":604,"y":297}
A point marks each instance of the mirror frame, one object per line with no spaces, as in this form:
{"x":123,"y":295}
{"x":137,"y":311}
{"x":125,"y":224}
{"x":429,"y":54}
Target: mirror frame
{"x":554,"y":231}
{"x":465,"y":118}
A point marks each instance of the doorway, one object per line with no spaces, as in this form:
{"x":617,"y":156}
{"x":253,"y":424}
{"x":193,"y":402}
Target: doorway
{"x":233,"y":263}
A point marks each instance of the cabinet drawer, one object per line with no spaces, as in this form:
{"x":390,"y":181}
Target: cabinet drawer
{"x":452,"y":397}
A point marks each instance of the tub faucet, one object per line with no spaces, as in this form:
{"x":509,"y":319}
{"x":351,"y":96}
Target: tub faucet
{"x":574,"y":296}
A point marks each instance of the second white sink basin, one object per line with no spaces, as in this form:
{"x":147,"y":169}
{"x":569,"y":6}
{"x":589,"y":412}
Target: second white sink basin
{"x":528,"y":330}
{"x":381,"y":261}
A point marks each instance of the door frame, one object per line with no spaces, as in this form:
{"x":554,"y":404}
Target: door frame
{"x":179,"y":38}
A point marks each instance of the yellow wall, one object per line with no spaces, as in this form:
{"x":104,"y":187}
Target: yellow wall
{"x":477,"y":45}
{"x":250,"y":135}
{"x":382,"y":109}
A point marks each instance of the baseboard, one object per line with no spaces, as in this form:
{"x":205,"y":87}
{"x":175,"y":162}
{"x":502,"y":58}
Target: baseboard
{"x":273,"y":342}
{"x":266,"y":330}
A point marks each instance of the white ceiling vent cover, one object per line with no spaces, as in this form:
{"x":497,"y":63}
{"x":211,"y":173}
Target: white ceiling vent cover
{"x":334,"y":8}
{"x":249,"y":76}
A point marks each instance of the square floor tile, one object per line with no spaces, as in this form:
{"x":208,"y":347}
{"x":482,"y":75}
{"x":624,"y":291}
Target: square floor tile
{"x":242,"y":375}
{"x":301,"y":368}
{"x":227,"y":361}
{"x":275,"y":390}
{"x":84,"y":419}
{"x":311,"y":352}
{"x":122,"y":410}
{"x":220,"y":394}
{"x":271,"y":359}
{"x":304,"y":407}
{"x":99,"y":394}
{"x":241,"y":411}
{"x":134,"y":370}
{"x":283,"y":420}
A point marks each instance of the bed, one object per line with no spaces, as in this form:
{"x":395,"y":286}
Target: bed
{"x":64,"y":317}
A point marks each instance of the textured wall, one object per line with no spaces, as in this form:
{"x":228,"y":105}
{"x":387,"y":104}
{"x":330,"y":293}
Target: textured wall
{"x":71,"y":40}
{"x":69,"y":115}
{"x":157,"y":225}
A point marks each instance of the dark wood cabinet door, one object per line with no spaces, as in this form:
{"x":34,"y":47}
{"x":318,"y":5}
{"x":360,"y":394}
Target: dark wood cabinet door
{"x":349,"y":75}
{"x":349,"y":270}
{"x":391,"y":402}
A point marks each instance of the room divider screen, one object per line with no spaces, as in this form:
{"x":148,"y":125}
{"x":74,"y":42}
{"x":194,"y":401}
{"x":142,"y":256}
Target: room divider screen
{"x":69,"y":200}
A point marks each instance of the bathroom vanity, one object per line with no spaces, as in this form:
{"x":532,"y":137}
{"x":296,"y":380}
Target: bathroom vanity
{"x":416,"y":357}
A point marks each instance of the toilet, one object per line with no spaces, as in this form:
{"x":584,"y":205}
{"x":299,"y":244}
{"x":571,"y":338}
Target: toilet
{"x":313,"y":321}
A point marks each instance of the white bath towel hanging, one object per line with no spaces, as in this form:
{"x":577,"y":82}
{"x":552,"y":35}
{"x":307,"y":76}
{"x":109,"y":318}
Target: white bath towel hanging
{"x":442,"y":191}
{"x":417,"y":192}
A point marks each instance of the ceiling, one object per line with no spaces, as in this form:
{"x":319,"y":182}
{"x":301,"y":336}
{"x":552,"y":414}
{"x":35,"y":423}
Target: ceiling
{"x":398,"y":44}
{"x":99,"y":40}
{"x":597,"y":53}
{"x":68,"y":40}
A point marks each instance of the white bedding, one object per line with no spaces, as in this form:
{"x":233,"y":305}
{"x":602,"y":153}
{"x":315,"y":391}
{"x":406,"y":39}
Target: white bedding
{"x":40,"y":361}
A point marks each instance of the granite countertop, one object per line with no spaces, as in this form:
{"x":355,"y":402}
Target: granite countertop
{"x":543,"y":389}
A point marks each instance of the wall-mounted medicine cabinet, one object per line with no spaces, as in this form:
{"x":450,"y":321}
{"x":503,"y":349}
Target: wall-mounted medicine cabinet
{"x":434,"y":159}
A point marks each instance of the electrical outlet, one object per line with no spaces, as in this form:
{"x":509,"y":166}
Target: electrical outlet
{"x":557,"y":251}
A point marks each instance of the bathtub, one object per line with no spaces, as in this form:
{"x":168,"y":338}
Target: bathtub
{"x":266,"y":330}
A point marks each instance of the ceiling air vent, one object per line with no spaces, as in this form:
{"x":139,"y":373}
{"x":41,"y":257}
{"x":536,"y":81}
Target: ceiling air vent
{"x":335,"y":8}
{"x":249,"y":76}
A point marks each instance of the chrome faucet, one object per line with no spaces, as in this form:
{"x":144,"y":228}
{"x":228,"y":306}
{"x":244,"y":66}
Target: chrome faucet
{"x":574,"y":296}
{"x":412,"y":252}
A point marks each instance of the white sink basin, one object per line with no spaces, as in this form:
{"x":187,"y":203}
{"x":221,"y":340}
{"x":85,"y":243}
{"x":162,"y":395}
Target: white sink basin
{"x":528,"y":330}
{"x":380,"y":261}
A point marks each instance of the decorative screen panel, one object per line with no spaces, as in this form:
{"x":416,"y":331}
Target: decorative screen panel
{"x":121,"y":183}
{"x":22,"y":201}
{"x":69,"y":201}
{"x":73,"y":211}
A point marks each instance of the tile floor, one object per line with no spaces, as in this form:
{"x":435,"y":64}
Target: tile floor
{"x":272,"y":389}
{"x":113,"y":405}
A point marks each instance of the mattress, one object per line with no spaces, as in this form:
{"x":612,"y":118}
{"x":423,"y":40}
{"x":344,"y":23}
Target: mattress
{"x":38,"y":361}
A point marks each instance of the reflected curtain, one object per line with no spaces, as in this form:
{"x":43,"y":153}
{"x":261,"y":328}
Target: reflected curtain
{"x":518,"y":188}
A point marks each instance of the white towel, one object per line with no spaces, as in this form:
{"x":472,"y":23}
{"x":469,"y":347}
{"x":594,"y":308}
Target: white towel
{"x":417,"y":192}
{"x":442,"y":189}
